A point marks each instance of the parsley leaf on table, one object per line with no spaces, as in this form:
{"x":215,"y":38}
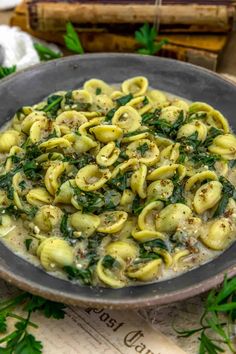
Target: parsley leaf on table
{"x":217,"y":319}
{"x":4,"y":71}
{"x":72,"y":40}
{"x":45,"y":53}
{"x":19,"y":340}
{"x":146,"y":36}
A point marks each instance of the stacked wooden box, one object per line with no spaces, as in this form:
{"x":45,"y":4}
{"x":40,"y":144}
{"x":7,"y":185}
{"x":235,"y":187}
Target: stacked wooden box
{"x":197,"y":30}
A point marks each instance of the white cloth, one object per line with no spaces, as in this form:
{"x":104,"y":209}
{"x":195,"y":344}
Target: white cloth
{"x":8,"y":4}
{"x":17,"y":48}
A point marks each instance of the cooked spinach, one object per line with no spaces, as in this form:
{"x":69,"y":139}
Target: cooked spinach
{"x":89,"y":201}
{"x":211,"y":135}
{"x":32,"y":170}
{"x":123,"y":100}
{"x":228,"y":192}
{"x":137,"y":205}
{"x":32,"y":151}
{"x":109,"y":262}
{"x":110,"y":115}
{"x":149,"y":249}
{"x":79,"y":160}
{"x":191,"y":140}
{"x":98,"y":91}
{"x":143,"y":149}
{"x":126,"y":135}
{"x":53,"y":105}
{"x":83,"y":275}
{"x":65,"y":228}
{"x":6,"y":182}
{"x":27,"y":243}
{"x":150,"y":118}
{"x":204,"y":158}
{"x":145,"y":101}
{"x":120,"y":182}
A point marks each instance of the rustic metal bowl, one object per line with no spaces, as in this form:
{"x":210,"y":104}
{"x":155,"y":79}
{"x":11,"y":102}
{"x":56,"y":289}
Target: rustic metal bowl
{"x":185,"y":80}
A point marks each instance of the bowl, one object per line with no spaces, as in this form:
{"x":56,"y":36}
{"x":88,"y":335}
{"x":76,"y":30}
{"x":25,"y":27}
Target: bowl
{"x":190,"y":82}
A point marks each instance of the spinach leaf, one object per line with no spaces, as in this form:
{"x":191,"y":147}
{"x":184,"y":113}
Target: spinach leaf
{"x":126,"y":135}
{"x":177,"y":195}
{"x":27,"y":243}
{"x":120,"y":182}
{"x":80,"y":160}
{"x":143,"y":149}
{"x":228,"y":192}
{"x":149,"y":249}
{"x":65,"y":228}
{"x":108,"y":262}
{"x":204,"y":158}
{"x":6,"y":182}
{"x":32,"y":151}
{"x":83,"y":275}
{"x":110,"y":115}
{"x":53,"y":105}
{"x":191,"y":140}
{"x":89,"y":201}
{"x":98,"y":91}
{"x":150,"y":118}
{"x":124,"y":99}
{"x":157,"y":243}
{"x":32,"y":170}
{"x":137,"y":205}
{"x":212,"y":134}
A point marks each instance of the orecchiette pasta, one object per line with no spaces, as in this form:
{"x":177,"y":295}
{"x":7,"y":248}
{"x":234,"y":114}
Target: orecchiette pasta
{"x":117,"y":185}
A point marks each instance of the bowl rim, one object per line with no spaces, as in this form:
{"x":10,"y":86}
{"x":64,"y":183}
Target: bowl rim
{"x":84,"y":301}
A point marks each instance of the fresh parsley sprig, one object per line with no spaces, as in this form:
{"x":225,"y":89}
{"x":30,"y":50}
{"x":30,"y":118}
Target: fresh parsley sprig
{"x":146,"y":37}
{"x":4,"y":71}
{"x":20,"y":341}
{"x":72,"y":40}
{"x":45,"y":53}
{"x":216,"y":321}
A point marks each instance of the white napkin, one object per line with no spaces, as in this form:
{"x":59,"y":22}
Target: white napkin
{"x":8,"y":4}
{"x":16,"y":48}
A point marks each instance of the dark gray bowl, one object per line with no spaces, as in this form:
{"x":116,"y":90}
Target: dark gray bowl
{"x":182,"y":79}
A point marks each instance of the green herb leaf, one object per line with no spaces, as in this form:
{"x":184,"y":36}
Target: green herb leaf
{"x":137,"y":205}
{"x":28,"y":345}
{"x":98,"y":91}
{"x":89,"y":201}
{"x":32,"y":170}
{"x":120,"y":182}
{"x":65,"y":228}
{"x":3,"y":322}
{"x":146,"y":36}
{"x":143,"y":149}
{"x":53,"y":105}
{"x":6,"y":71}
{"x":124,"y":99}
{"x":108,"y":261}
{"x":72,"y":40}
{"x":110,"y":115}
{"x":84,"y":275}
{"x":45,"y":53}
{"x":27,"y":243}
{"x":228,"y":192}
{"x":211,"y":135}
